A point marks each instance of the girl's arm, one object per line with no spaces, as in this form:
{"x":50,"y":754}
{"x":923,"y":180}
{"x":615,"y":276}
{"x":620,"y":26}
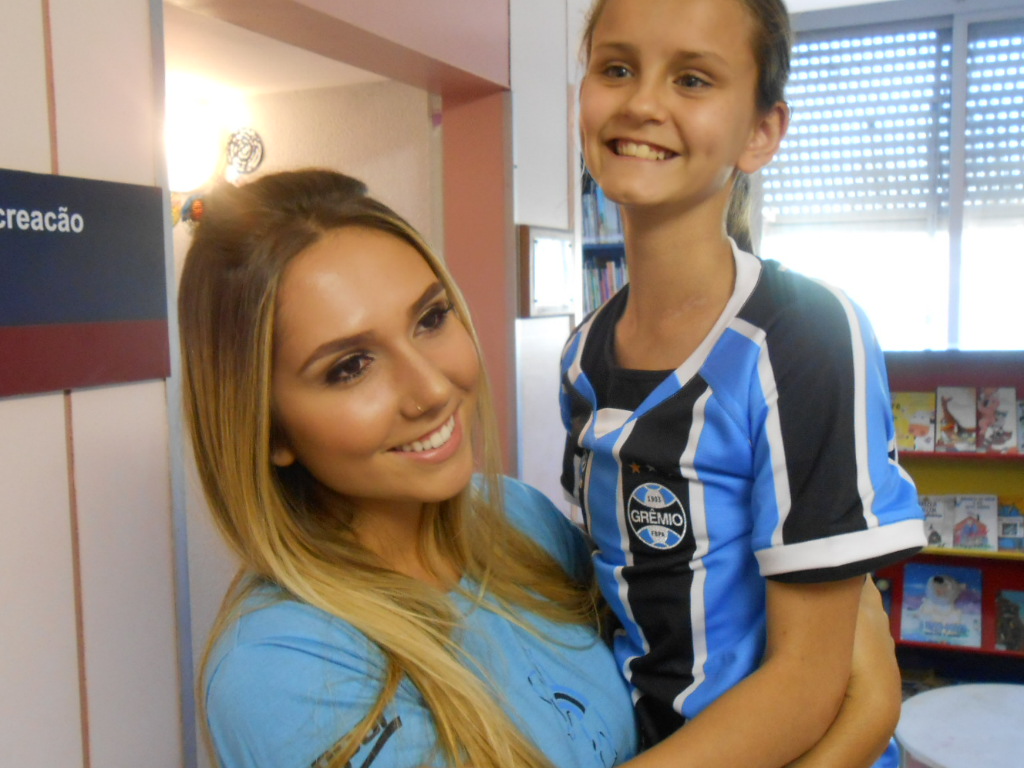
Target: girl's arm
{"x":785,"y":706}
{"x":871,"y":708}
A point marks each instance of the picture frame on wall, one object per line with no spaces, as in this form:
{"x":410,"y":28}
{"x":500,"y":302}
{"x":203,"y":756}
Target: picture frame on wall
{"x":549,"y":279}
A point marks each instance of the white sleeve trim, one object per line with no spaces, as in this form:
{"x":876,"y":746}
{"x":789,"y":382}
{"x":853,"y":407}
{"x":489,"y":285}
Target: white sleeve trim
{"x":843,"y":549}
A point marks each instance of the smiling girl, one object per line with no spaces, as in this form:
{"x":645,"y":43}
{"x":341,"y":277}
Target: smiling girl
{"x":730,"y":432}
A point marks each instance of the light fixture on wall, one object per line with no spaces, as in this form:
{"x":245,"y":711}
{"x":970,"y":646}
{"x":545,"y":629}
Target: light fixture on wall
{"x":201,"y":115}
{"x":204,"y":142}
{"x":241,"y":155}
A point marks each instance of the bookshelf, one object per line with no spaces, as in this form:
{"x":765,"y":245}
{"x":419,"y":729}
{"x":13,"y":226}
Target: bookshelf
{"x":604,"y":255}
{"x":960,"y":473}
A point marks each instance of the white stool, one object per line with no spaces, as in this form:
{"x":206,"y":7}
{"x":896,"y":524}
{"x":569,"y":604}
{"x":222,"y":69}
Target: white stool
{"x":978,"y":725}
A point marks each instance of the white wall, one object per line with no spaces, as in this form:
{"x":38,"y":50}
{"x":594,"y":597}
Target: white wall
{"x":543,"y":163}
{"x":88,"y":658}
{"x":379,"y":132}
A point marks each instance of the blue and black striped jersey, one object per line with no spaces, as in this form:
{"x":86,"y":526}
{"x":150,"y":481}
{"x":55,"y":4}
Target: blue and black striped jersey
{"x":770,"y":453}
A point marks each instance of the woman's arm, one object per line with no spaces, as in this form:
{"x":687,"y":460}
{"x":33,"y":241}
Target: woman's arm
{"x":871,"y":708}
{"x":785,"y":706}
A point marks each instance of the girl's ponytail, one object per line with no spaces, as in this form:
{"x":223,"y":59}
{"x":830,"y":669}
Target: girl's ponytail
{"x":737,"y":218}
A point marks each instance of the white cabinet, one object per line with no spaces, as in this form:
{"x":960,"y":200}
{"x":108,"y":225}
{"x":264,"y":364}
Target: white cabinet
{"x":543,"y":153}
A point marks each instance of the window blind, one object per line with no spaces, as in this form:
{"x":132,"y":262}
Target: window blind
{"x":994,"y":163}
{"x":869,"y":138}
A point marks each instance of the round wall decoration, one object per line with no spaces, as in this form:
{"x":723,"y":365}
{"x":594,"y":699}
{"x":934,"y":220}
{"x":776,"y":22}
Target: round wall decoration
{"x":245,"y":150}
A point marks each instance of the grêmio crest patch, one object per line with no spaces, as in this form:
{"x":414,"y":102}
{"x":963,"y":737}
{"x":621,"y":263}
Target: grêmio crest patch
{"x":656,"y":516}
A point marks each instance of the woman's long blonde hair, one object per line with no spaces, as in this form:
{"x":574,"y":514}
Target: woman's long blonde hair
{"x":274,"y":519}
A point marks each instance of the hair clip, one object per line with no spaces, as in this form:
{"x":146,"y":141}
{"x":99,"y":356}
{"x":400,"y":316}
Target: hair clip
{"x":192,"y":209}
{"x":188,"y":208}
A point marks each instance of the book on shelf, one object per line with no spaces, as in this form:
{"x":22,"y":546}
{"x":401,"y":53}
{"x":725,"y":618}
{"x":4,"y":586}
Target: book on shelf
{"x":601,"y":219}
{"x":914,"y":416}
{"x":976,"y":521}
{"x":1011,"y":524}
{"x":938,"y":518}
{"x":941,"y":604}
{"x":612,"y":278}
{"x":591,"y":289}
{"x":997,"y":420}
{"x":589,"y":217}
{"x":1009,"y":613}
{"x":956,"y":418}
{"x":1020,"y":426}
{"x":603,"y":277}
{"x":610,"y":219}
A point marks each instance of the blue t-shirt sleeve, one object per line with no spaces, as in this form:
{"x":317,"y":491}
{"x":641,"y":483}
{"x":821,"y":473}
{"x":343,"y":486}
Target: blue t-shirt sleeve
{"x":288,"y":682}
{"x":830,"y":500}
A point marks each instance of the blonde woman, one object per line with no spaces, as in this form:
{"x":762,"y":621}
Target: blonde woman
{"x":391,"y":611}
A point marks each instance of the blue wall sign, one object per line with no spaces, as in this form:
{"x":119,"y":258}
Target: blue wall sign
{"x":83,"y":293}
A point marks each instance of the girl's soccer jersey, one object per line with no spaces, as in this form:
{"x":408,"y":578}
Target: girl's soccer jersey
{"x":770,"y":453}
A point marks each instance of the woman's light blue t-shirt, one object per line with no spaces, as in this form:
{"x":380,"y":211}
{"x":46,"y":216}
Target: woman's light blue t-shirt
{"x":287,"y":680}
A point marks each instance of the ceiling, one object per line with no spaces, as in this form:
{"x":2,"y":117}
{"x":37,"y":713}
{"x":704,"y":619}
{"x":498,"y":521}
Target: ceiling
{"x":202,"y":46}
{"x":215,"y":50}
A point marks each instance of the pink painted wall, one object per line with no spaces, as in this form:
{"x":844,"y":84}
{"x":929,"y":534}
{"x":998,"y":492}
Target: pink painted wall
{"x":479,"y":238}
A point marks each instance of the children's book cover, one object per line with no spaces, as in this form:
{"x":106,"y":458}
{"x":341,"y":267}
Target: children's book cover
{"x":976,"y":522}
{"x":1020,"y":426}
{"x":1011,"y":523}
{"x":938,"y":519}
{"x":1010,"y":620}
{"x":997,"y":420}
{"x":941,"y":604}
{"x":956,"y":419}
{"x":609,"y":223}
{"x":914,"y":415}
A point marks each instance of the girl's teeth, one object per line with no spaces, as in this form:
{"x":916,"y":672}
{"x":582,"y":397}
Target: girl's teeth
{"x":641,"y":151}
{"x":436,"y":440}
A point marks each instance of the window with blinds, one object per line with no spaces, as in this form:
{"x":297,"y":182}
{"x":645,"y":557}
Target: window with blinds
{"x":994,"y":161}
{"x":869,"y":138}
{"x":902,"y":177}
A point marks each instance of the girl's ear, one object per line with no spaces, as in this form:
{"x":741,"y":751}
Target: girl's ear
{"x":769,"y":131}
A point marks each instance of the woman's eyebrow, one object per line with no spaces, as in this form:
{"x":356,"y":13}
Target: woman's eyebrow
{"x":334,"y":346}
{"x":433,"y":290}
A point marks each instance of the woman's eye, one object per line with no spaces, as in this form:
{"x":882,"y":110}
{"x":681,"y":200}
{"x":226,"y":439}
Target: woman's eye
{"x":435,"y":317}
{"x":348,"y":369}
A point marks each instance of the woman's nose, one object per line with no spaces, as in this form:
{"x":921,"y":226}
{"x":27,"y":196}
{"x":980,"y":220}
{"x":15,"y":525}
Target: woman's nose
{"x":425,"y":386}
